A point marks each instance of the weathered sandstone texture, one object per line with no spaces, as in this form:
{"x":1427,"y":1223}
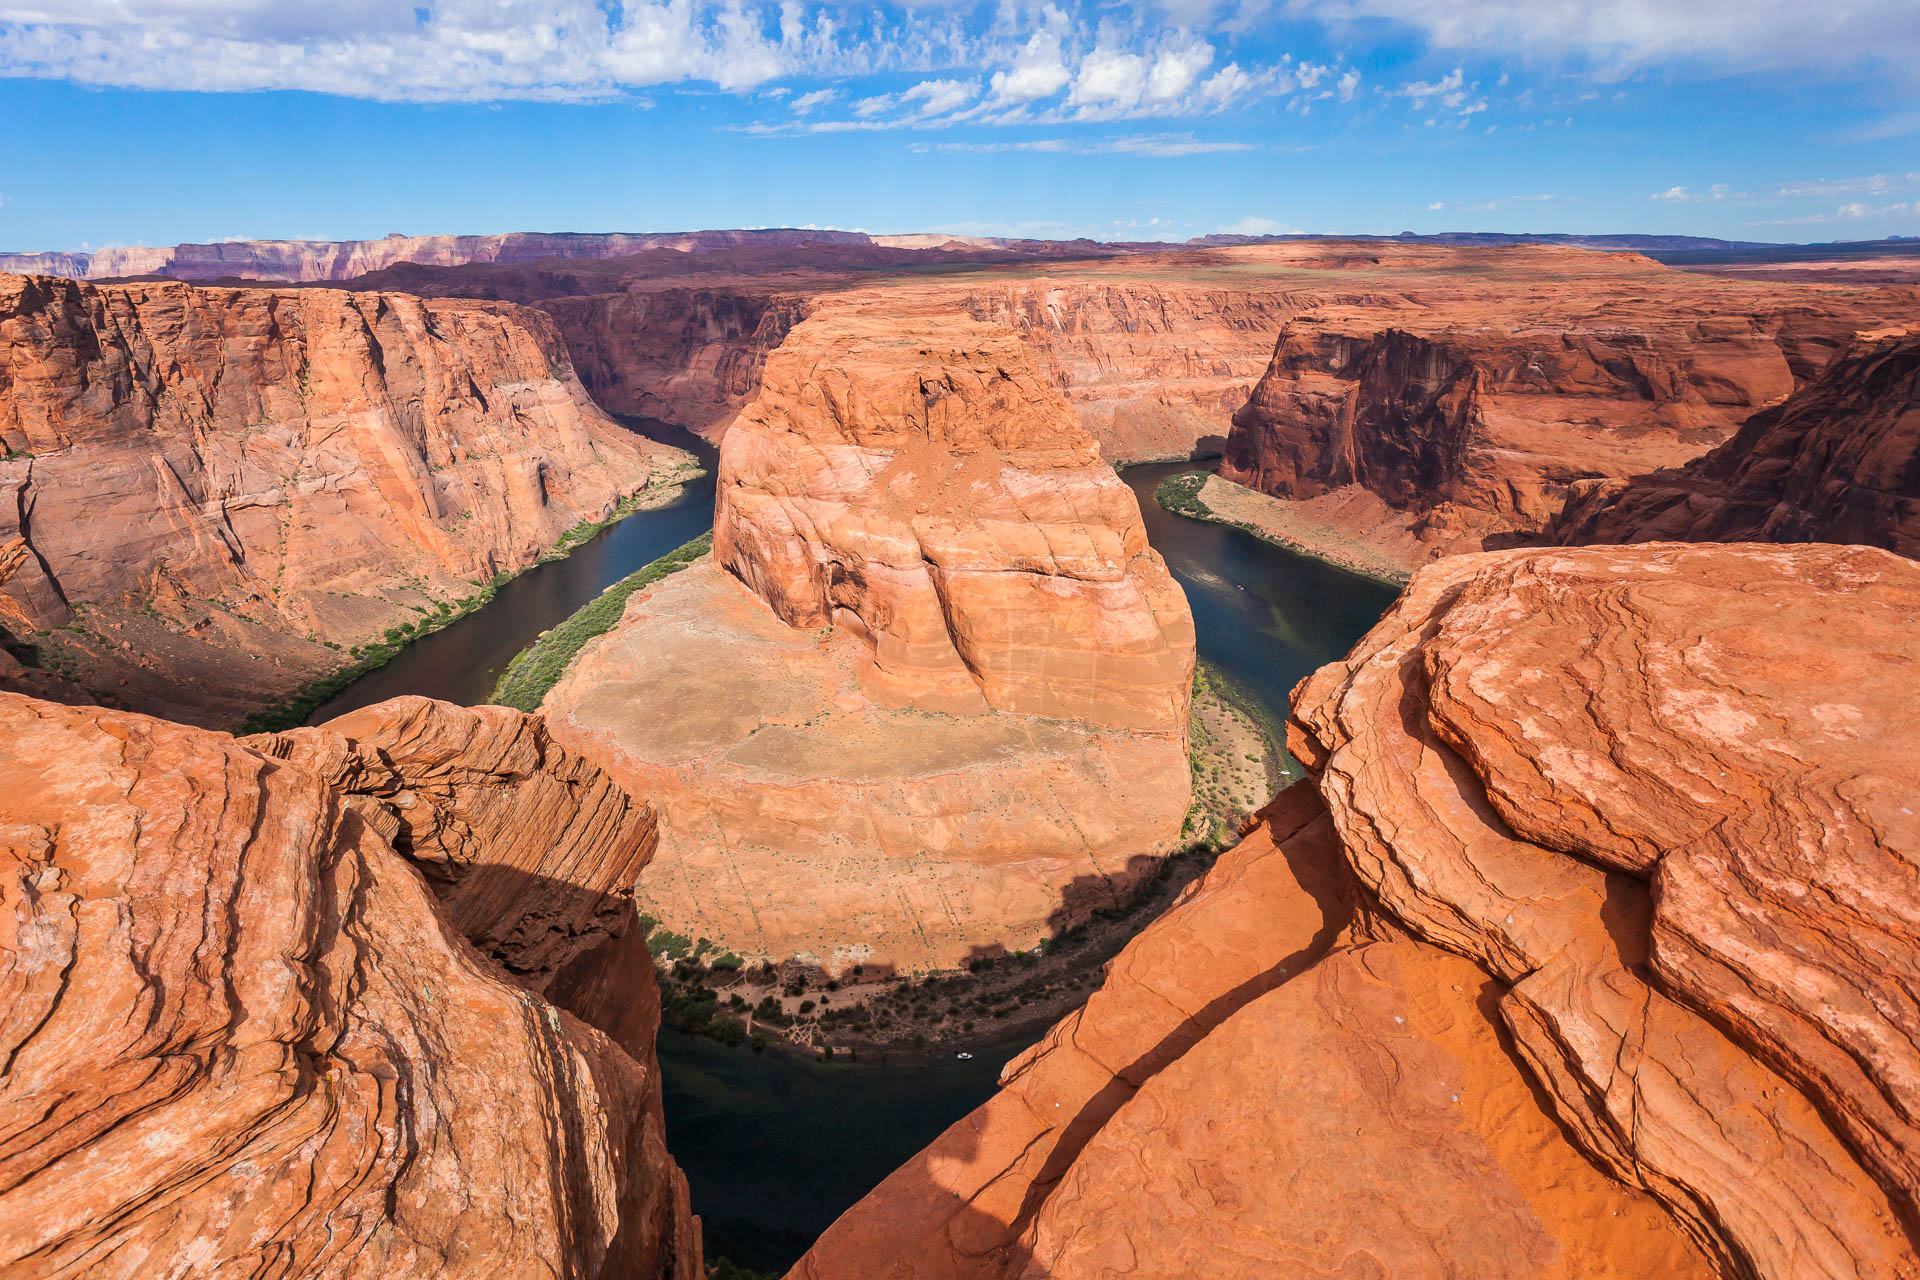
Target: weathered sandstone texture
{"x":1154,"y":368}
{"x":234,"y":480}
{"x":1586,"y":950}
{"x":1839,"y":461}
{"x":242,"y":1037}
{"x":940,"y":705}
{"x":689,"y":356}
{"x":911,"y":479}
{"x":1478,"y":399}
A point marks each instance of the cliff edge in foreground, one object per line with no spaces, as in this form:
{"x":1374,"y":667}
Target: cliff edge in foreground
{"x":239,"y":1035}
{"x":1586,"y":950}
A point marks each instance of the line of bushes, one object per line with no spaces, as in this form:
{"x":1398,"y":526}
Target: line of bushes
{"x":539,"y":666}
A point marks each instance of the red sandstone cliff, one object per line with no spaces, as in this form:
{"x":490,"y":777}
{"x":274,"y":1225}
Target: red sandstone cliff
{"x":241,"y":1036}
{"x":1837,"y":462}
{"x":1498,"y":381}
{"x":1586,"y":950}
{"x":908,"y":477}
{"x":940,"y":705}
{"x":213,"y":473}
{"x":689,"y":356}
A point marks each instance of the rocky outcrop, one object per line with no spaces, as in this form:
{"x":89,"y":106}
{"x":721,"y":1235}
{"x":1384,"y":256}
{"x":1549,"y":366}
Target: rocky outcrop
{"x":532,"y":850}
{"x":940,"y":705}
{"x":910,"y":478}
{"x":230,"y":474}
{"x":1585,"y":950}
{"x":242,"y":1036}
{"x":689,"y":356}
{"x":1839,"y":461}
{"x":1501,"y":380}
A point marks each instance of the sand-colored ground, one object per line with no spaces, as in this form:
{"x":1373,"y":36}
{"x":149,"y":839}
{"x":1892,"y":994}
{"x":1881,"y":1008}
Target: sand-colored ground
{"x":1351,"y":527}
{"x":800,"y":818}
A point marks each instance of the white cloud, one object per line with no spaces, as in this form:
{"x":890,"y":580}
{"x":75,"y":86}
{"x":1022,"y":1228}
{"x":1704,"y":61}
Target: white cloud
{"x":818,"y":98}
{"x":938,"y":97}
{"x":1349,"y":83}
{"x":1722,"y":33}
{"x":1037,"y":72}
{"x":1673,"y":195}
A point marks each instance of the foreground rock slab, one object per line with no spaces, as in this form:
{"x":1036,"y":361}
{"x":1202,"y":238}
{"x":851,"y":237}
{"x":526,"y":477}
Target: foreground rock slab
{"x":1584,"y":951}
{"x":241,"y":1036}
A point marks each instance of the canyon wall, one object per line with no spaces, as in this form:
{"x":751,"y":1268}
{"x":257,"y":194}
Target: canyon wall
{"x":244,"y":1037}
{"x":235,"y":485}
{"x":1839,"y":461}
{"x":1154,"y":370}
{"x":1585,"y":950}
{"x":1473,"y":411}
{"x":689,"y":356}
{"x":929,"y":696}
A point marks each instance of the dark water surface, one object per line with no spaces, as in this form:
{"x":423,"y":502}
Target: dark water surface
{"x":775,"y":1149}
{"x":462,"y":662}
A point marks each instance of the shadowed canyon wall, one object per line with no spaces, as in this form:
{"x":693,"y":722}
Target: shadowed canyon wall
{"x":1584,"y":951}
{"x":243,"y":1037}
{"x":235,"y":484}
{"x":1837,"y":462}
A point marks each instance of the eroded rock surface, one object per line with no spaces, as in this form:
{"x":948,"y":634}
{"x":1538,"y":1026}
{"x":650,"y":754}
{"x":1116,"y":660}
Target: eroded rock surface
{"x":241,"y":1036}
{"x":1834,"y":463}
{"x":1586,"y":950}
{"x":1497,"y":381}
{"x":226,"y":482}
{"x":910,"y":478}
{"x":940,"y":705}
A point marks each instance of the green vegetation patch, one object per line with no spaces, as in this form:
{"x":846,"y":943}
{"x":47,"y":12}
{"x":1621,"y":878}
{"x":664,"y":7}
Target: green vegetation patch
{"x":1180,"y":494}
{"x":538,"y":667}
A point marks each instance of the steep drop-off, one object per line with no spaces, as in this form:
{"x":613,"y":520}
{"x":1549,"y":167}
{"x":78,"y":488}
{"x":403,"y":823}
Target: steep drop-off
{"x":1837,"y":462}
{"x":224,"y":489}
{"x":1586,"y":950}
{"x":1477,"y":403}
{"x":900,"y":732}
{"x":242,"y":1037}
{"x":690,"y":356}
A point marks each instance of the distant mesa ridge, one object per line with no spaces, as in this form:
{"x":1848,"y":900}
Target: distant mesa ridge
{"x":309,"y":261}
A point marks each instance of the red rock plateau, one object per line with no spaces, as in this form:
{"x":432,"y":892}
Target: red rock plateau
{"x":941,"y":703}
{"x":1467,"y":402}
{"x":1582,"y":364}
{"x":1586,"y":949}
{"x":1839,"y":461}
{"x":241,"y":1036}
{"x":223,"y":489}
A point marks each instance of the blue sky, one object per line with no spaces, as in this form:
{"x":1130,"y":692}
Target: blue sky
{"x":157,"y":121}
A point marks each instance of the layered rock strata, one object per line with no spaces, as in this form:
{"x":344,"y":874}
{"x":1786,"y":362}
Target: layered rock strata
{"x":210,"y":477}
{"x":1584,"y":951}
{"x":1839,"y":461}
{"x":900,"y":732}
{"x":689,"y":356}
{"x":911,"y":479}
{"x":242,"y":1035}
{"x":1474,"y":407}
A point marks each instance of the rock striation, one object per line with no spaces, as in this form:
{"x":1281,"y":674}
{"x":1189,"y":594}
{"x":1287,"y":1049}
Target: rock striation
{"x":1839,"y":461}
{"x":916,"y":483}
{"x":214,"y":476}
{"x":1585,"y":950}
{"x":891,"y":722}
{"x":242,"y":1036}
{"x":689,"y":356}
{"x":1499,"y":381}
